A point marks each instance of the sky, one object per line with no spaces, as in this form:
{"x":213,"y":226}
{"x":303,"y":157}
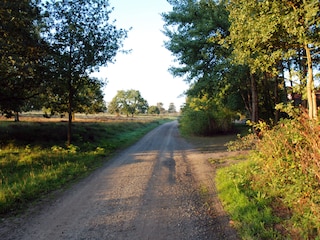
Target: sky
{"x":146,"y":67}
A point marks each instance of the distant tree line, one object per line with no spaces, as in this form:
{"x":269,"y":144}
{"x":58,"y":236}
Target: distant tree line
{"x":243,"y":57}
{"x":131,"y":102}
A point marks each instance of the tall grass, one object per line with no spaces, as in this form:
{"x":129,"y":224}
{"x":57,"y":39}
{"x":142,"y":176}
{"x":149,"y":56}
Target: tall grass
{"x":35,"y":161}
{"x":284,"y":169}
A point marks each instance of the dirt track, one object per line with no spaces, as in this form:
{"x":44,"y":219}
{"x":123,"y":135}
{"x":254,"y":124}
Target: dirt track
{"x":148,"y":191}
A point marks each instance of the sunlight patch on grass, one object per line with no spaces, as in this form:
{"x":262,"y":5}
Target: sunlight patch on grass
{"x":30,"y":166}
{"x":248,"y":209}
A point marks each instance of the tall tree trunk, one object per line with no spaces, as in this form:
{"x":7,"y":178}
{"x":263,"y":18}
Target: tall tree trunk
{"x":276,"y":99}
{"x":69,"y":118}
{"x":70,"y":97}
{"x":246,"y":102}
{"x":311,"y":94}
{"x":254,"y":93}
{"x":304,"y":71}
{"x":16,"y":116}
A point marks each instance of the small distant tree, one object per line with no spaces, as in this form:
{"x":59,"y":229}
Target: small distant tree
{"x":161,"y":108}
{"x":172,"y":108}
{"x":153,"y":110}
{"x":128,"y":102}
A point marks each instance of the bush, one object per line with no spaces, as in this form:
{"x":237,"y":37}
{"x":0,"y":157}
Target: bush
{"x":204,"y":122}
{"x":288,"y":172}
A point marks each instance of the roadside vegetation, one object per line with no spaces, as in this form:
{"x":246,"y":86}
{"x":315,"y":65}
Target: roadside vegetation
{"x":35,"y":161}
{"x":275,"y":193}
{"x":258,"y":61}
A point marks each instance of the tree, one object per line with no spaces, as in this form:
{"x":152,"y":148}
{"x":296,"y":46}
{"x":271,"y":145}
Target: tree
{"x":172,"y":108}
{"x":89,"y":98}
{"x":197,"y":32}
{"x":128,"y":102}
{"x":267,"y":33}
{"x":83,"y":39}
{"x":161,"y":108}
{"x":22,"y":55}
{"x":203,"y":116}
{"x":153,"y":110}
{"x":302,"y":23}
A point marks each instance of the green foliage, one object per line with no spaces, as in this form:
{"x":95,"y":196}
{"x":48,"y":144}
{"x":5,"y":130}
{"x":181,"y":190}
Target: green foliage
{"x":270,"y":35}
{"x":286,"y":171}
{"x":153,"y":110}
{"x":247,"y":46}
{"x":195,"y":30}
{"x":82,"y":40}
{"x":87,"y":99}
{"x":172,"y":108}
{"x":290,"y":159}
{"x":22,"y":55}
{"x":194,"y":122}
{"x":81,"y":34}
{"x":202,"y":117}
{"x":249,"y":209}
{"x":128,"y":102}
{"x":32,"y":165}
{"x":259,"y":30}
{"x":161,"y":108}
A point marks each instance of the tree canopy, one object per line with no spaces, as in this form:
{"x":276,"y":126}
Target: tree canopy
{"x":265,"y":34}
{"x":240,"y":55}
{"x":197,"y":32}
{"x":128,"y":102}
{"x":48,"y":50}
{"x":82,"y":38}
{"x":22,"y":54}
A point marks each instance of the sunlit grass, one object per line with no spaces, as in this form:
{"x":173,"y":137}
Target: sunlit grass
{"x":35,"y":161}
{"x":275,"y":194}
{"x":248,"y":209}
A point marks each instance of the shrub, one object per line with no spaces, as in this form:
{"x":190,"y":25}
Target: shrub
{"x":288,"y":157}
{"x":202,"y":122}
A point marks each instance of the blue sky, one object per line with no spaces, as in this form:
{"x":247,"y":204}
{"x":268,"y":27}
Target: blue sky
{"x":146,"y":68}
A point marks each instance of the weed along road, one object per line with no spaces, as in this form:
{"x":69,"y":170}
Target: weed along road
{"x":151,"y":190}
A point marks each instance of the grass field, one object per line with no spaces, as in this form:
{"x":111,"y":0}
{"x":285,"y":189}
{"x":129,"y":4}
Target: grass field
{"x":34,"y":159}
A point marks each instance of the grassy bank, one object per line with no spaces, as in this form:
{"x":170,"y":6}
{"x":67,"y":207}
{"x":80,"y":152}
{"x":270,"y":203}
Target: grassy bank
{"x":249,"y":209}
{"x":275,"y":193}
{"x":34,"y":159}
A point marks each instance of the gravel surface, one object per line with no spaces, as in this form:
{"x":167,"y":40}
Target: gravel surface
{"x":148,"y":191}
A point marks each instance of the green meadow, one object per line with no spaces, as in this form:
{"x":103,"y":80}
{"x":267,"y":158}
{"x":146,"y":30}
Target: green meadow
{"x":34,"y":158}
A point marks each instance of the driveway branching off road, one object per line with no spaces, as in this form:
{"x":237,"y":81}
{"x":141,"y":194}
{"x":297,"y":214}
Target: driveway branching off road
{"x":148,"y":191}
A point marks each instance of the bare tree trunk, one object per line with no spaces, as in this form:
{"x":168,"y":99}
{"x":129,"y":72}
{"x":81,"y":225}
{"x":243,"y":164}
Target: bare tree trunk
{"x":16,"y":117}
{"x":311,"y":94}
{"x":254,"y":93}
{"x":304,"y":71}
{"x":276,"y":99}
{"x":69,"y":123}
{"x":70,"y":97}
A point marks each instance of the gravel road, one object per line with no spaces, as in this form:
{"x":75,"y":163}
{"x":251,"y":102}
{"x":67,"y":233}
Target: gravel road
{"x":148,"y":191}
